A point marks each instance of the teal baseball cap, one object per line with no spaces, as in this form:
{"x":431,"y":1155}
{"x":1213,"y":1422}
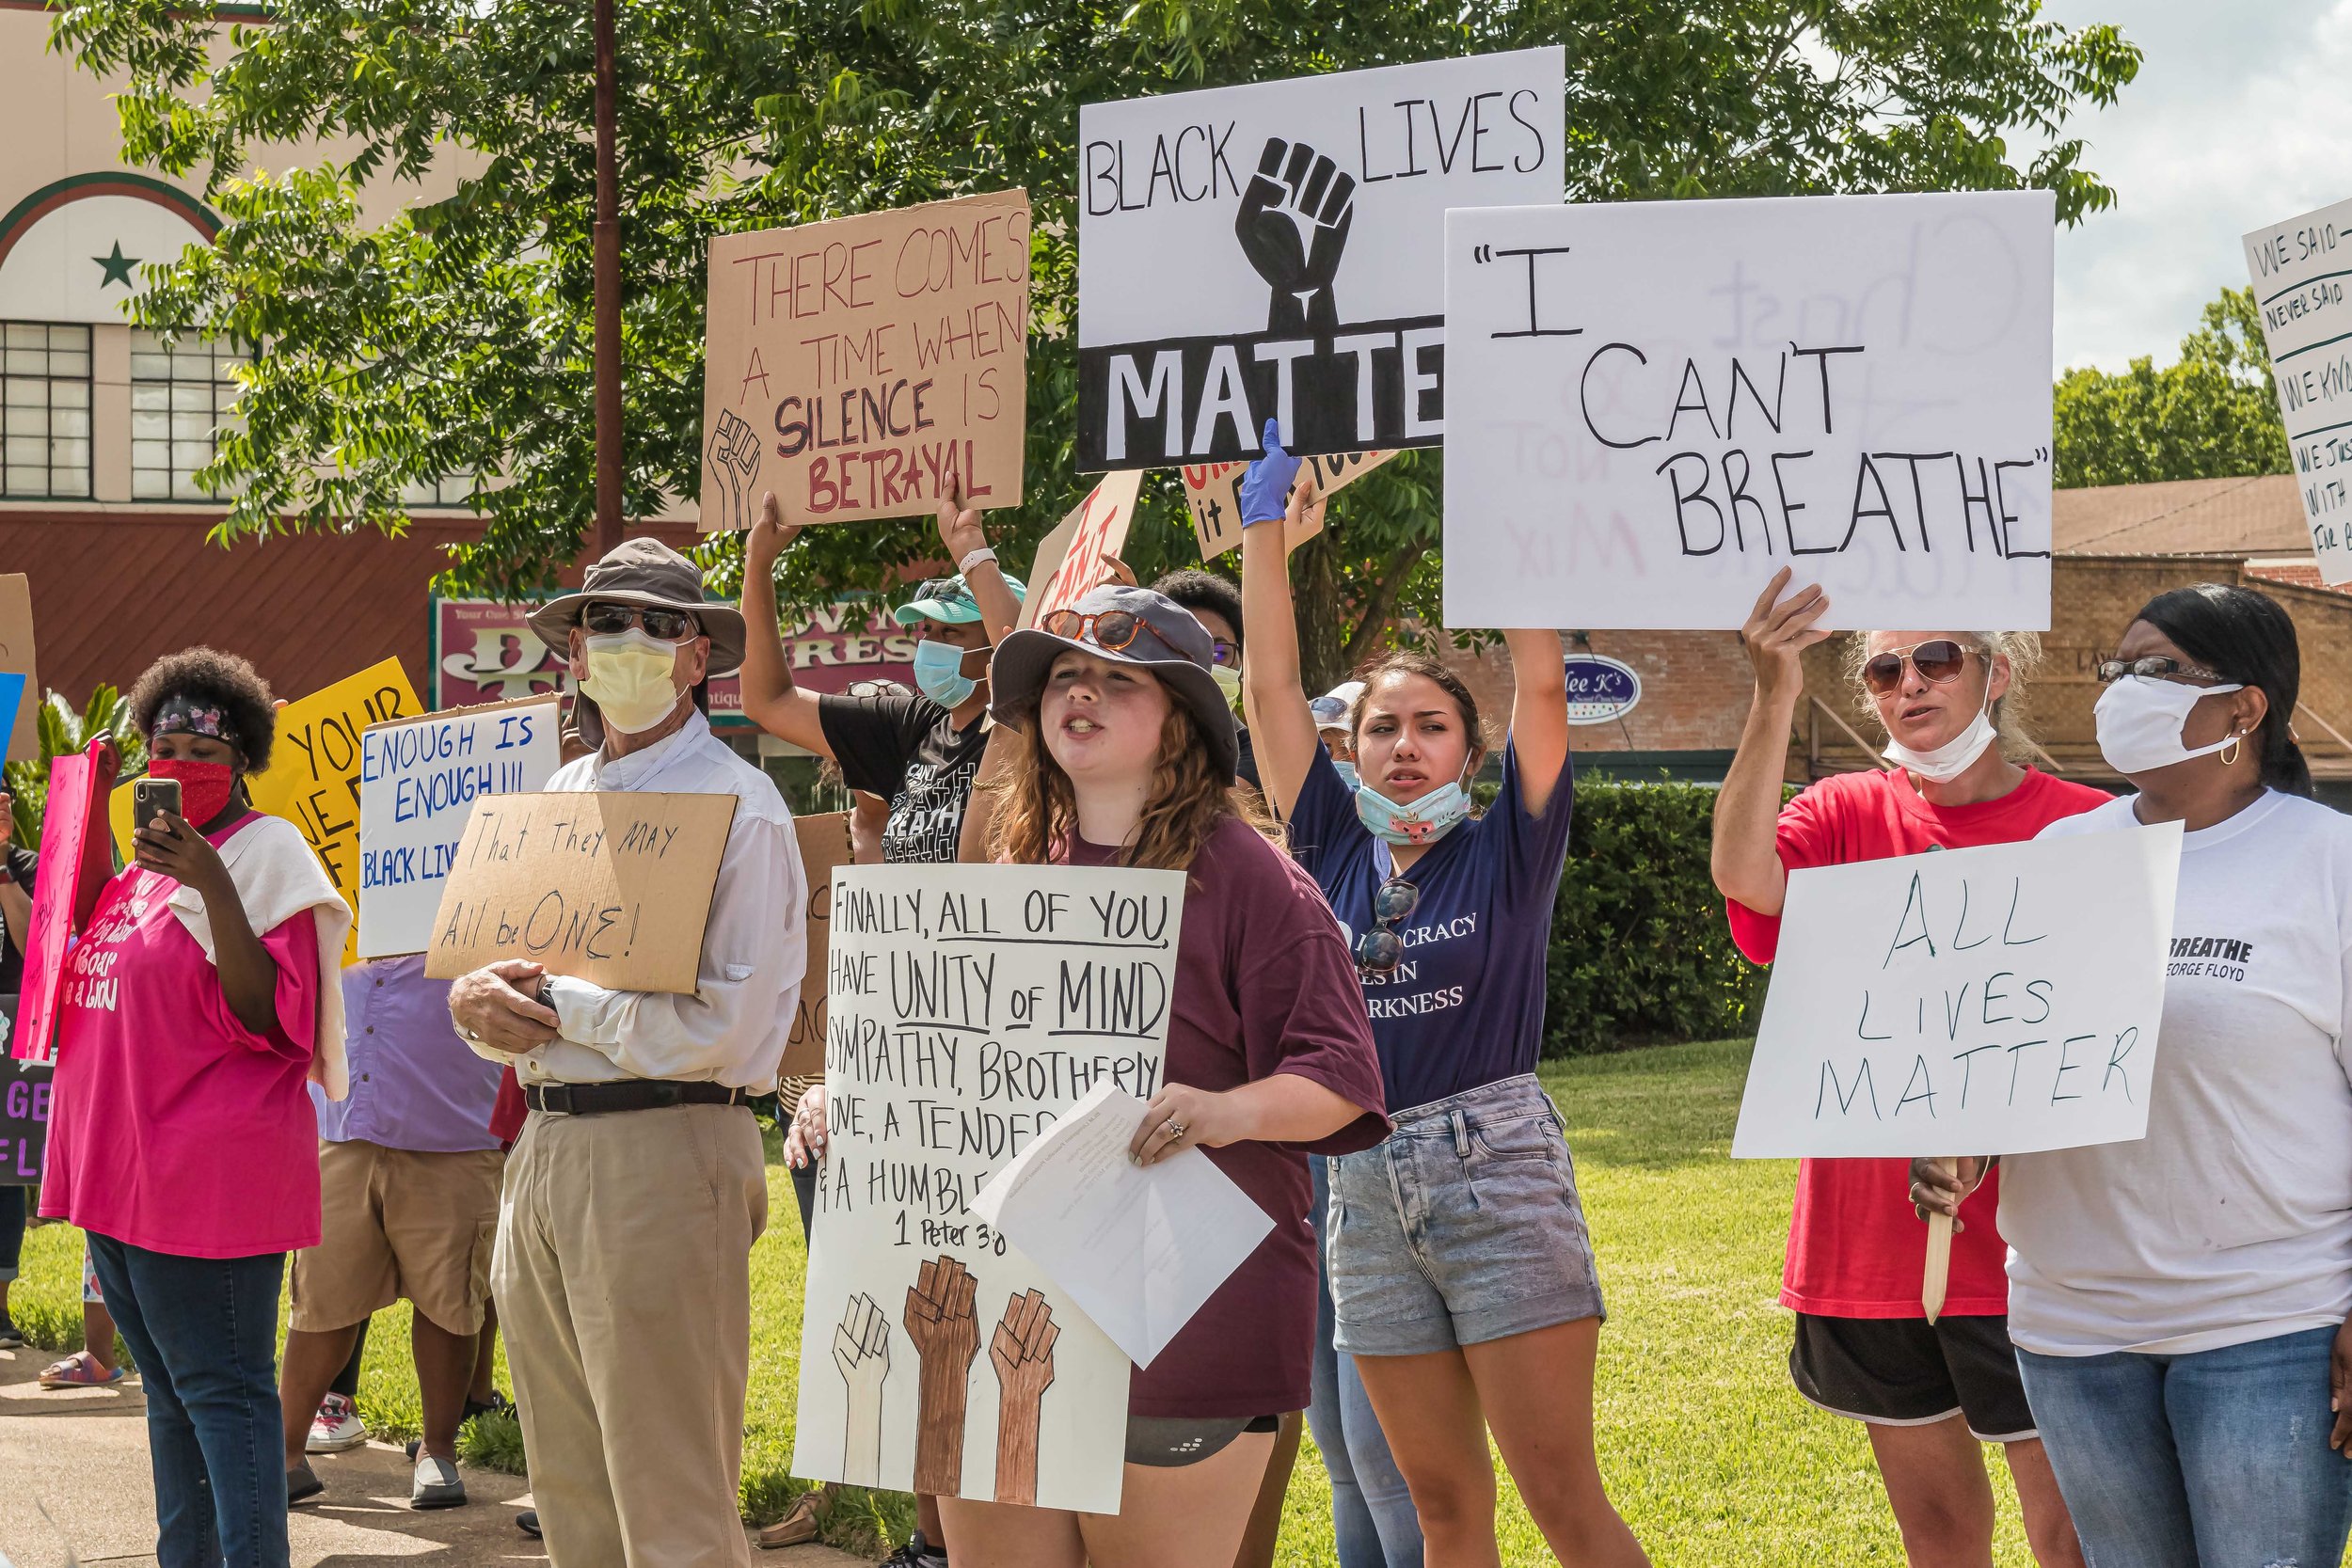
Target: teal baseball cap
{"x":950,"y":600}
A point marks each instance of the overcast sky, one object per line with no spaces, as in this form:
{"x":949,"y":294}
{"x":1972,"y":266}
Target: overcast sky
{"x":2241,"y":115}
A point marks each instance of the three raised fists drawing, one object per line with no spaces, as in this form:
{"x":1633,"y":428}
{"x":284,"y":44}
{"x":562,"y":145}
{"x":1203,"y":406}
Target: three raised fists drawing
{"x":941,"y":1321}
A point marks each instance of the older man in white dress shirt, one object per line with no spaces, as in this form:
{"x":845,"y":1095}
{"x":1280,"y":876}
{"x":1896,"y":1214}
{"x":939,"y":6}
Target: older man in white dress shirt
{"x":622,"y":1271}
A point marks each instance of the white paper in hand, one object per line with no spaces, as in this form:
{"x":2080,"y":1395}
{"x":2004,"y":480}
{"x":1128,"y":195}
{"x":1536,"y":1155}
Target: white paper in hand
{"x":1140,"y":1249}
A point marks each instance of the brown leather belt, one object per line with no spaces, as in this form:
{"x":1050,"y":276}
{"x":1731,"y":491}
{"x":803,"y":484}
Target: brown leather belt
{"x":629,"y":1093}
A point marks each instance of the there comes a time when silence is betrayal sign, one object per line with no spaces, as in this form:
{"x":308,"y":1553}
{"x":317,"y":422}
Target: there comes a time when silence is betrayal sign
{"x":869,"y":366}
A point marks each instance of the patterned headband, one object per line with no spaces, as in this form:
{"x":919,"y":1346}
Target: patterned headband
{"x":185,"y":715}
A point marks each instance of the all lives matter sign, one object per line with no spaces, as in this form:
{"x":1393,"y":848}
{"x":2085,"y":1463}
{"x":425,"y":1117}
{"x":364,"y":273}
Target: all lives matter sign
{"x":1656,"y":406}
{"x":1273,"y":251}
{"x":869,"y":366}
{"x":1990,"y":1000}
{"x":969,"y":1008}
{"x":2302,"y":272}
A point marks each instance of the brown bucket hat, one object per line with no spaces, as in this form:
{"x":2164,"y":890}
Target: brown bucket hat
{"x":646,"y":572}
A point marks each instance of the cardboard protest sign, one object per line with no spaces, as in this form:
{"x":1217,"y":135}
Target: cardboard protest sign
{"x":969,"y":1007}
{"x":25,"y":1088}
{"x":609,"y":886}
{"x":1273,"y":251}
{"x":1071,"y":560}
{"x":419,"y":780}
{"x":16,"y":656}
{"x":1989,"y":1001}
{"x":74,"y":865}
{"x":1658,"y":404}
{"x":1212,"y":493}
{"x":824,"y":850}
{"x":2300,"y":269}
{"x":314,"y":776}
{"x":869,"y":366}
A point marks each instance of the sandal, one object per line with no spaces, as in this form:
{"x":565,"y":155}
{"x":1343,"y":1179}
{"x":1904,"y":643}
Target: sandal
{"x":80,"y":1371}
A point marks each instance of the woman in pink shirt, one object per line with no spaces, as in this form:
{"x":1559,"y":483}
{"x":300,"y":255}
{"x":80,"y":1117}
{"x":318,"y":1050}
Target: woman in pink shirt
{"x":197,"y":1001}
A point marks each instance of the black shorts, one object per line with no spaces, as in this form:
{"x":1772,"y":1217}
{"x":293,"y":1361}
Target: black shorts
{"x":1167,"y":1443}
{"x":1901,"y":1371}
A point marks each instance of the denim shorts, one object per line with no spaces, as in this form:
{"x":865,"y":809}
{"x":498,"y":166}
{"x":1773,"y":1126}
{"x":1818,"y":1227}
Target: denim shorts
{"x":1463,"y":1228}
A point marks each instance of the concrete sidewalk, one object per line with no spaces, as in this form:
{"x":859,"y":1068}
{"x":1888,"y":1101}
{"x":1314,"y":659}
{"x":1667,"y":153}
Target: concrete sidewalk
{"x":80,"y":1456}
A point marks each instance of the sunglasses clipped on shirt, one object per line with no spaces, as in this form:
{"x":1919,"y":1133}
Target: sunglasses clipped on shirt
{"x":1379,"y":950}
{"x":662,"y":626}
{"x":1939,"y":661}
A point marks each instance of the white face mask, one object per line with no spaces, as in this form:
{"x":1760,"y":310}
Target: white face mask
{"x":1951,"y":759}
{"x":633,"y":678}
{"x":2139,"y":721}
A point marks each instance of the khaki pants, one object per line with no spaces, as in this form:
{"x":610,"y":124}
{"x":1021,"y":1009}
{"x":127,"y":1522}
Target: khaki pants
{"x":622,"y":1277}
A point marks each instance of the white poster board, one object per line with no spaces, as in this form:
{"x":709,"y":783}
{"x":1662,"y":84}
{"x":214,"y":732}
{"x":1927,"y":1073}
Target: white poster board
{"x":969,"y":1007}
{"x":2302,"y":272}
{"x":419,"y":780}
{"x":1656,"y":404}
{"x":1273,"y":251}
{"x":1990,"y":1000}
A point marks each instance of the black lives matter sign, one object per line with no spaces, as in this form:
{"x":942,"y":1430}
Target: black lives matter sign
{"x":1274,"y":252}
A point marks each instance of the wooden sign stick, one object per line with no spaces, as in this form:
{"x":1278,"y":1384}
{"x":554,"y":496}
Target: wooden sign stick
{"x":1937,"y":1275}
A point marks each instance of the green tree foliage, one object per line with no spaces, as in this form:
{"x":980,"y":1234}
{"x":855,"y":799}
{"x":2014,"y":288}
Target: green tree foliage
{"x":2212,"y":416}
{"x":64,"y":733}
{"x":454,"y":337}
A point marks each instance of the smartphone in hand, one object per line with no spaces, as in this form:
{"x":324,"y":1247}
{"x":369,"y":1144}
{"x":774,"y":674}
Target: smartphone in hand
{"x":151,"y":797}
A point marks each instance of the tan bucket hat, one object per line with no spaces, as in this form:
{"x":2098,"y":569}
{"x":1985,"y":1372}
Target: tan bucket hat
{"x":646,"y":572}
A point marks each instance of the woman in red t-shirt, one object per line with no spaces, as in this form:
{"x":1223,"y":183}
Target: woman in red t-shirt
{"x":1928,"y":1393}
{"x":1122,"y":753}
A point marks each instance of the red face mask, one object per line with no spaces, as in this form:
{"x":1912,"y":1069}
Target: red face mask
{"x":204,"y":786}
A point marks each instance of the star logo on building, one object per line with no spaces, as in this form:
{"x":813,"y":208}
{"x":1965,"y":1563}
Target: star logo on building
{"x":117,"y":268}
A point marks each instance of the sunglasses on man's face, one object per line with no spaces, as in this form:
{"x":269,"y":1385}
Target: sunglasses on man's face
{"x":1379,"y":950}
{"x":662,"y":626}
{"x":1939,"y":661}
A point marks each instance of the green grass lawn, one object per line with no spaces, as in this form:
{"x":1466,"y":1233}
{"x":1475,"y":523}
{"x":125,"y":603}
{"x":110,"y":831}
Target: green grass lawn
{"x":1710,"y":1454}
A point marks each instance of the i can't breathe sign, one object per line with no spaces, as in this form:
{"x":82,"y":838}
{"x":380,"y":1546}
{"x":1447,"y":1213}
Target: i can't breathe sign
{"x":1991,"y":1000}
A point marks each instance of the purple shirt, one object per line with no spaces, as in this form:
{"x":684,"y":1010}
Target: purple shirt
{"x":414,"y":1083}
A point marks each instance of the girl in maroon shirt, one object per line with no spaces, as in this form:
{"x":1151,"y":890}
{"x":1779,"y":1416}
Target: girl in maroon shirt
{"x":1124,"y":757}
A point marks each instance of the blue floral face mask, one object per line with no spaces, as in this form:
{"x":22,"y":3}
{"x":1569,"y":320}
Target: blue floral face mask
{"x":938,"y":674}
{"x":1420,"y":822}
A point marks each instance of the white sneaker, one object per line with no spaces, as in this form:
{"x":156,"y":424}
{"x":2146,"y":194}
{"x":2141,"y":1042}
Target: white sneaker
{"x":336,"y":1428}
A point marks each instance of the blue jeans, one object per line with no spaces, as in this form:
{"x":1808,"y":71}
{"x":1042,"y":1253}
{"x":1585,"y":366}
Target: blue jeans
{"x":1372,"y":1510}
{"x":2217,"y":1459}
{"x":204,"y":1332}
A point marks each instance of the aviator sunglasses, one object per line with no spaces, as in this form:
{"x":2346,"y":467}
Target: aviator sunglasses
{"x":662,"y":626}
{"x":1939,"y":661}
{"x":1379,"y":950}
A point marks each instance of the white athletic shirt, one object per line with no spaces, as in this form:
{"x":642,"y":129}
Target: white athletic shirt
{"x":2231,"y":1221}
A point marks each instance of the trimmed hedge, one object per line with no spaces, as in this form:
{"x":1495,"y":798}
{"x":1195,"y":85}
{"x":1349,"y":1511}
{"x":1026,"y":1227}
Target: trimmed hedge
{"x":1640,"y":954}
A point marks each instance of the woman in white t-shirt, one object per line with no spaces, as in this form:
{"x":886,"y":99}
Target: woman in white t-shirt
{"x":2179,"y":1303}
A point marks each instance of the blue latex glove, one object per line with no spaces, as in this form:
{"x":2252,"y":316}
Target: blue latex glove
{"x":1266,"y":487}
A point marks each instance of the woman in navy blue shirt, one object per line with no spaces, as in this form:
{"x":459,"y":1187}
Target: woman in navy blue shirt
{"x":1462,"y":1278}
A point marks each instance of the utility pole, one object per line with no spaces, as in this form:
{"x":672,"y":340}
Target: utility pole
{"x":607,"y":253}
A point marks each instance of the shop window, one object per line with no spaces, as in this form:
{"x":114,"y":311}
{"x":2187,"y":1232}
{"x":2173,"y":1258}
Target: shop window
{"x":44,"y":411}
{"x":180,"y":402}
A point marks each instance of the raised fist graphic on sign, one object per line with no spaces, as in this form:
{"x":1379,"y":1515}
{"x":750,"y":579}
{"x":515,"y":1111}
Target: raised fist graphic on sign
{"x":1297,"y":184}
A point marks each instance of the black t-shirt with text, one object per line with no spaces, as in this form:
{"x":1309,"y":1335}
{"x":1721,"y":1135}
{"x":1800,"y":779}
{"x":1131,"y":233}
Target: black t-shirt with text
{"x":905,"y":748}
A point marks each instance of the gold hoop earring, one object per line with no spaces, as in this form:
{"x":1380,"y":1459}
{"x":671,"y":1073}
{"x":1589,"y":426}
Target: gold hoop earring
{"x":2231,"y":748}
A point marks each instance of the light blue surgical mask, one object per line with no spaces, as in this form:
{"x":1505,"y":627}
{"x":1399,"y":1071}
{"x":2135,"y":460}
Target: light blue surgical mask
{"x":1421,"y":822}
{"x":938,"y":674}
{"x":1347,"y":773}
